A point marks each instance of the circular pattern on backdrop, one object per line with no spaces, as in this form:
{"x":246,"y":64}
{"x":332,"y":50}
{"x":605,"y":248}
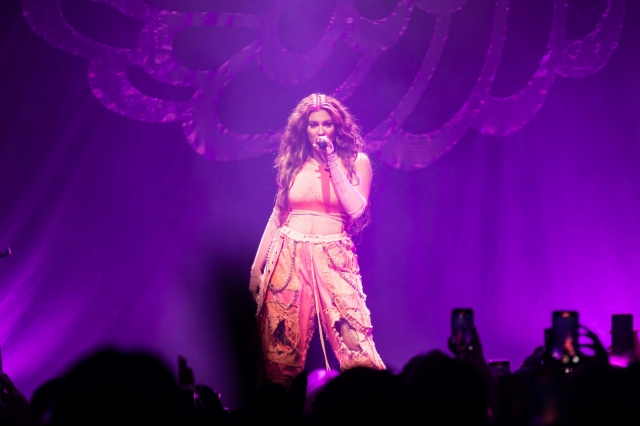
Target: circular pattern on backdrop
{"x":367,"y":36}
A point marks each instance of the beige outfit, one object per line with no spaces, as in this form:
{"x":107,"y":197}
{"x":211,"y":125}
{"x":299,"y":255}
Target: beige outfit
{"x":312,"y":272}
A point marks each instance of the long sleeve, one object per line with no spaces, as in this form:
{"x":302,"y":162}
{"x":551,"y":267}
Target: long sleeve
{"x":352,"y":200}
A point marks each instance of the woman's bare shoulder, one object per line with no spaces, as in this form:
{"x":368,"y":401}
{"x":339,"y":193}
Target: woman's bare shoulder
{"x":362,"y":160}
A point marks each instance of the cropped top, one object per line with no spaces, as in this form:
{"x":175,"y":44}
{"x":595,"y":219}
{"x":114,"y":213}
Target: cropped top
{"x":315,"y":207}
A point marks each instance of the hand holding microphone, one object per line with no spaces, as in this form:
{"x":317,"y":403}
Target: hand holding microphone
{"x":323,"y":143}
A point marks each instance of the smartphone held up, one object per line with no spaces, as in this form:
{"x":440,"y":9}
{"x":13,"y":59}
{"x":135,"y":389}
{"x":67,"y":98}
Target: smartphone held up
{"x":462,"y":336}
{"x":621,"y":334}
{"x":564,"y":338}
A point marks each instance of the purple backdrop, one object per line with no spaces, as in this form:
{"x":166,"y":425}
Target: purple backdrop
{"x":124,"y":235}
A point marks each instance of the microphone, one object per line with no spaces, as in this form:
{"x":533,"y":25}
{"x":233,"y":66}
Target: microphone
{"x":322,"y":143}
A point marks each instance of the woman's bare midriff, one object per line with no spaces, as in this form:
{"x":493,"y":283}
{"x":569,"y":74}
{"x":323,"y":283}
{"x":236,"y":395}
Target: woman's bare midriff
{"x":315,"y":224}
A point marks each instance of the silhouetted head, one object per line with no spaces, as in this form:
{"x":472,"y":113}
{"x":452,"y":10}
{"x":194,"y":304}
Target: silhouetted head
{"x":211,"y":410}
{"x":43,"y":402}
{"x":446,"y":389}
{"x":605,"y":395}
{"x":360,"y":396}
{"x":117,"y":388}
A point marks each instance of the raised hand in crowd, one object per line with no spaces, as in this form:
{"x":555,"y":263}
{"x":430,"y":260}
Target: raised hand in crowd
{"x":475,"y":356}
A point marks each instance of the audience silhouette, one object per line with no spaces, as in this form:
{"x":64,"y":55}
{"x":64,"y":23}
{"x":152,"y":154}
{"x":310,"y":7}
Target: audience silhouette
{"x":113,"y":387}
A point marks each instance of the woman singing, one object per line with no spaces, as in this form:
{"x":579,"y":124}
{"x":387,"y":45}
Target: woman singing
{"x":306,"y":270}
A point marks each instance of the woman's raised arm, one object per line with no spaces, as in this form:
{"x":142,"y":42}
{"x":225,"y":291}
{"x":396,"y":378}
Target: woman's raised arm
{"x":354,"y":199}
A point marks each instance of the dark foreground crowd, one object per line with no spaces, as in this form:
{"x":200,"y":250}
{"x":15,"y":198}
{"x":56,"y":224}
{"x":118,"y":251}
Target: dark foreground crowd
{"x":118,"y":388}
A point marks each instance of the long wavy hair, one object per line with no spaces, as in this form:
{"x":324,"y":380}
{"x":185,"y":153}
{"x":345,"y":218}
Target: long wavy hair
{"x":295,"y":150}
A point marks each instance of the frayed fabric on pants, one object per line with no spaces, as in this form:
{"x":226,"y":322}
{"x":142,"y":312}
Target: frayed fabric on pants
{"x":302,"y":272}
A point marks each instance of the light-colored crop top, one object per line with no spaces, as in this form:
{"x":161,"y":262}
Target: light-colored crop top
{"x":315,"y":207}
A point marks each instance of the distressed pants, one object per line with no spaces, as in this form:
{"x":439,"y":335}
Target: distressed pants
{"x":302,"y":272}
